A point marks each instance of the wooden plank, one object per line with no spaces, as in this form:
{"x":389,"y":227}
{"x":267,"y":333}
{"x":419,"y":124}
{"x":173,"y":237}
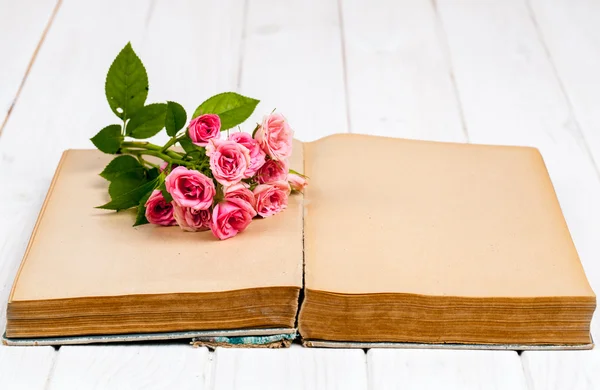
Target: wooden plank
{"x":22,"y":25}
{"x":399,"y":79}
{"x":510,"y":95}
{"x":293,"y":368}
{"x":25,"y":368}
{"x":61,"y":106}
{"x":130,"y":367}
{"x":576,"y":370}
{"x":571,"y":34}
{"x":63,"y":103}
{"x":292,"y":61}
{"x":444,"y":369}
{"x":400,"y":84}
{"x":192,"y":50}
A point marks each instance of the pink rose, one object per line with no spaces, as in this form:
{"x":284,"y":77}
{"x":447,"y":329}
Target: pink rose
{"x":241,"y":191}
{"x":190,"y":188}
{"x":204,"y":128}
{"x":297,"y":182}
{"x":229,"y":161}
{"x":273,"y":171}
{"x":191,"y":220}
{"x":271,"y":198}
{"x":275,"y":137}
{"x":230,"y":217}
{"x":257,"y":155}
{"x":158,"y":211}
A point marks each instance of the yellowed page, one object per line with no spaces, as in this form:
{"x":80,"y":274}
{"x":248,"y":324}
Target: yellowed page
{"x":393,"y":215}
{"x":79,"y":251}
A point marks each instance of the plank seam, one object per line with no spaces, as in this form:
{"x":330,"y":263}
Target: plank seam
{"x":527,"y":371}
{"x":30,"y":64}
{"x":344,"y":65}
{"x":149,"y":14}
{"x":244,"y":33}
{"x":210,"y":370}
{"x":52,"y":368}
{"x":577,"y":132}
{"x":445,"y":45}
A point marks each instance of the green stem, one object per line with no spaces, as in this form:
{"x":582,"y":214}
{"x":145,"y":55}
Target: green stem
{"x":151,"y":164}
{"x":170,"y":143}
{"x":157,"y":153}
{"x":151,"y":146}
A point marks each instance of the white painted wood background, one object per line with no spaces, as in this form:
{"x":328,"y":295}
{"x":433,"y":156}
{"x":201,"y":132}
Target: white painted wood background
{"x":522,"y":72}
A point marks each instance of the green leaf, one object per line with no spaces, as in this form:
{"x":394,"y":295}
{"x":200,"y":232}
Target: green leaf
{"x":152,"y":173}
{"x":125,"y":183}
{"x":163,"y":188}
{"x":131,"y":198}
{"x":187,"y":145}
{"x":108,"y":140}
{"x":148,"y":121}
{"x":231,"y":107}
{"x":175,"y":118}
{"x":126,"y":85}
{"x":140,"y":218}
{"x":121,"y":165}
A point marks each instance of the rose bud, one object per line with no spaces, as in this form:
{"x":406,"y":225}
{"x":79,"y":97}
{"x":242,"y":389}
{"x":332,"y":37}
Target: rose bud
{"x":158,"y":211}
{"x":230,"y":217}
{"x":204,"y":128}
{"x":275,"y":137}
{"x":297,"y":182}
{"x":190,"y":188}
{"x":271,"y":198}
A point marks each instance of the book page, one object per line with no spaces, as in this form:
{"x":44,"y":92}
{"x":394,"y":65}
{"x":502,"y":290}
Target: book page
{"x":404,"y":216}
{"x":79,"y":251}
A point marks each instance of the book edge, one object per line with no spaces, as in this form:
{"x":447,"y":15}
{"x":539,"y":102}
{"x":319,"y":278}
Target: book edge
{"x":38,"y":221}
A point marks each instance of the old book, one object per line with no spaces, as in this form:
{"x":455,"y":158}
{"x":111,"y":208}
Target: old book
{"x":402,"y":241}
{"x":87,"y":271}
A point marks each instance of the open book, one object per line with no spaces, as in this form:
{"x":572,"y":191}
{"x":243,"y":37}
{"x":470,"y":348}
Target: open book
{"x":393,"y":241}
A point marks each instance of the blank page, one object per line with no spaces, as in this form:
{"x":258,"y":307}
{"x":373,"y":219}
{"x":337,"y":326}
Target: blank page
{"x":404,"y":216}
{"x":79,"y":251}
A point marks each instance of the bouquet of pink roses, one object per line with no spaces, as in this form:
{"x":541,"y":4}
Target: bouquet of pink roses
{"x":210,"y":181}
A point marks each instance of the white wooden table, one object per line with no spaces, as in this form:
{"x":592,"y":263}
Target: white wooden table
{"x":522,"y":72}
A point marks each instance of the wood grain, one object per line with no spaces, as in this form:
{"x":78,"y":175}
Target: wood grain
{"x":569,"y":30}
{"x":130,"y":367}
{"x":399,"y":77}
{"x":511,"y":95}
{"x":22,"y":27}
{"x":293,"y":368}
{"x":292,"y":61}
{"x":25,"y":368}
{"x":444,"y":369}
{"x":576,"y":370}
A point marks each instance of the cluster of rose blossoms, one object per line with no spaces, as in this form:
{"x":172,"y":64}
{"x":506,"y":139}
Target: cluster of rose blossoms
{"x":250,"y":177}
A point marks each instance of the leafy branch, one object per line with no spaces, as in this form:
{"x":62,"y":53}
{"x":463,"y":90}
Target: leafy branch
{"x":135,"y":173}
